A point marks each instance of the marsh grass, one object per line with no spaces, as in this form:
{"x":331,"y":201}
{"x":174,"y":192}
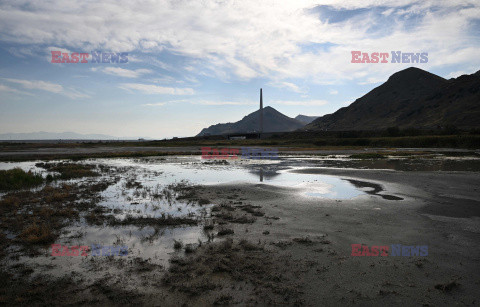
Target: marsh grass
{"x":189,"y":249}
{"x":225,"y":231}
{"x":177,"y":244}
{"x":69,"y":170}
{"x":37,"y":234}
{"x":37,"y":217}
{"x":229,"y":262}
{"x":369,"y":155}
{"x":164,"y":220}
{"x":15,"y":179}
{"x":36,"y":290}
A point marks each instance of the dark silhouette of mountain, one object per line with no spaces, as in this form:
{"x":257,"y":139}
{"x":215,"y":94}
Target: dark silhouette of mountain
{"x":304,"y":119}
{"x":411,"y":98}
{"x":273,"y":121}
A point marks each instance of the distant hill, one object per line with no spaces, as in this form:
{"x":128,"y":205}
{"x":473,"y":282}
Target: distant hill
{"x":411,"y":98}
{"x":42,"y":135}
{"x":273,"y":121}
{"x":306,"y":119}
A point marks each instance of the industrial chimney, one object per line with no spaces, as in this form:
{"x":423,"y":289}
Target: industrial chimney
{"x":261,"y":111}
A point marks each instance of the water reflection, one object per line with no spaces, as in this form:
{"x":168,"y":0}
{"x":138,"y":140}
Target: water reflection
{"x":376,"y":189}
{"x":265,"y":174}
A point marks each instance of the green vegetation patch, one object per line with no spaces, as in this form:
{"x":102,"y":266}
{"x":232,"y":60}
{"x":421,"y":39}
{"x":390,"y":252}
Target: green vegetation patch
{"x":17,"y":178}
{"x":69,"y":170}
{"x":370,"y":155}
{"x":460,"y":154}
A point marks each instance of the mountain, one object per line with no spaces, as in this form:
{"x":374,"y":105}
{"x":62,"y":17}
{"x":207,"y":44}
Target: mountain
{"x":410,"y":98}
{"x":273,"y":121}
{"x":306,"y":119}
{"x":42,"y":135}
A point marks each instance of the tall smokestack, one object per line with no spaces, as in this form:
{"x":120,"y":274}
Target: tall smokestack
{"x":261,"y":111}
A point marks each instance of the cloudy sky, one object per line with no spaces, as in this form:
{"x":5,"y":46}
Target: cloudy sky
{"x":196,"y":63}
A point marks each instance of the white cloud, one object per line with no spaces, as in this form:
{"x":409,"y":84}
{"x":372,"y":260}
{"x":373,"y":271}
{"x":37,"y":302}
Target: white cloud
{"x":351,"y":100}
{"x":74,"y":94}
{"x":155,"y":89}
{"x":153,"y":61}
{"x":301,"y":102}
{"x":127,"y":73}
{"x":192,"y":79}
{"x":38,"y":85}
{"x":202,"y":102}
{"x":456,"y":74}
{"x":387,"y":12}
{"x":134,"y":59}
{"x":372,"y":80}
{"x":22,"y":52}
{"x":4,"y":88}
{"x":249,"y":39}
{"x":220,"y":103}
{"x":288,"y":85}
{"x":333,"y":92}
{"x":164,"y":79}
{"x":49,"y":87}
{"x":158,"y":104}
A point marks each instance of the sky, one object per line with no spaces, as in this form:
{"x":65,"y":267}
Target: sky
{"x":192,"y":64}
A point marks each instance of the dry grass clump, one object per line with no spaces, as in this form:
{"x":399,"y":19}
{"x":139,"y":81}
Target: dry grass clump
{"x":447,"y":287}
{"x":164,"y":220}
{"x":37,"y":217}
{"x":36,"y":234}
{"x":222,"y":266}
{"x":10,"y":201}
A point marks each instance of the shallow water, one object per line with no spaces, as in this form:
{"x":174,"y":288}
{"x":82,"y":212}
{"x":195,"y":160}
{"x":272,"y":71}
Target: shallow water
{"x":26,"y":166}
{"x":152,"y":172}
{"x":140,"y":190}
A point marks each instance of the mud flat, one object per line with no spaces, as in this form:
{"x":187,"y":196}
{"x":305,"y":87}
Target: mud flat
{"x":247,"y":232}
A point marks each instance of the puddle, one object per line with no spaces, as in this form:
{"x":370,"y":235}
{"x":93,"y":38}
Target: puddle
{"x":146,"y":243}
{"x":375,"y":189}
{"x":197,"y":172}
{"x":26,"y":166}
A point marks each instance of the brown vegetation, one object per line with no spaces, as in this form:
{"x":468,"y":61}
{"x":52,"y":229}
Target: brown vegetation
{"x":234,"y":265}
